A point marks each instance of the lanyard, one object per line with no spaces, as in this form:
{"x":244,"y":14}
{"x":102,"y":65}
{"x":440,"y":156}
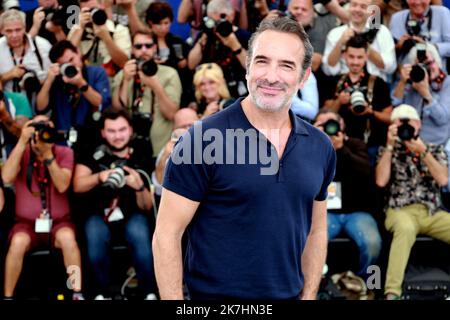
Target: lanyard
{"x":43,"y":181}
{"x":16,"y":87}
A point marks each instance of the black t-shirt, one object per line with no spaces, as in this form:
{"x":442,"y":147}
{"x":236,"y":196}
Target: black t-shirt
{"x":357,"y":125}
{"x":100,"y":198}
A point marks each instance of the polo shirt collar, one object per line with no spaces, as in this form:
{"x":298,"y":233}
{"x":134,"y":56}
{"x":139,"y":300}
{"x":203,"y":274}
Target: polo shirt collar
{"x":239,"y":120}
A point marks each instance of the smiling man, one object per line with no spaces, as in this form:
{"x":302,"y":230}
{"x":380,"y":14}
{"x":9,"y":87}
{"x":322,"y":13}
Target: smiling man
{"x":251,"y":235}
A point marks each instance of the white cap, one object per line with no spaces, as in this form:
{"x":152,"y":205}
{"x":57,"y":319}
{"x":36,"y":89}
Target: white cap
{"x":430,"y":48}
{"x":404,"y":111}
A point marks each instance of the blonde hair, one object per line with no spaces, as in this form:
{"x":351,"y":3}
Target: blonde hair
{"x":213,"y":72}
{"x":11,"y":15}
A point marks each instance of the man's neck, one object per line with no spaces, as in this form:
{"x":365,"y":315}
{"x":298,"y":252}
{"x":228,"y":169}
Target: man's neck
{"x":355,"y":77}
{"x":266,"y":120}
{"x":358,"y":27}
{"x":19,"y":50}
{"x":123,"y":153}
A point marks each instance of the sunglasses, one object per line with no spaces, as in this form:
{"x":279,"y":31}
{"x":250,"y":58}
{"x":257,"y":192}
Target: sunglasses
{"x":139,"y":46}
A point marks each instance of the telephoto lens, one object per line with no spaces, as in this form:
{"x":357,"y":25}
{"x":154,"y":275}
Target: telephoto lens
{"x":405,"y":131}
{"x":98,"y":16}
{"x":331,"y":127}
{"x":358,"y":101}
{"x":68,"y":70}
{"x":116,"y":179}
{"x":30,"y":82}
{"x":417,"y":73}
{"x":148,"y":67}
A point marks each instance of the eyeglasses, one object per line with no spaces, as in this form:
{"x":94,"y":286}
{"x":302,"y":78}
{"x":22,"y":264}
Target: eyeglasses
{"x":139,"y":46}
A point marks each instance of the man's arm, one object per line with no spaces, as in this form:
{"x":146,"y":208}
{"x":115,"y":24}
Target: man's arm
{"x":315,"y":253}
{"x":84,"y":180}
{"x":61,"y":177}
{"x":383,"y":168}
{"x":175,"y":213}
{"x":185,"y":11}
{"x":118,"y":56}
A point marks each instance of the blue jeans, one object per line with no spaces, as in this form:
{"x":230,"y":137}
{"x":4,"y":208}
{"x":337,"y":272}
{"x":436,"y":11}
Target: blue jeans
{"x":138,"y":239}
{"x":363,"y":230}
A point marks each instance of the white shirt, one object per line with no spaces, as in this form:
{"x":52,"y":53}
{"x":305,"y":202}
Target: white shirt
{"x":30,"y":59}
{"x":383,"y":44}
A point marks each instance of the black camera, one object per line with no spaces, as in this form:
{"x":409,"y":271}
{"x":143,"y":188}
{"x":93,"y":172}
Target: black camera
{"x":56,"y":16}
{"x":142,"y":123}
{"x":68,"y":70}
{"x":369,"y":35}
{"x":30,"y":82}
{"x":413,"y":27}
{"x":47,"y":133}
{"x":331,"y":127}
{"x":405,"y":131}
{"x":222,"y":27}
{"x":98,"y":16}
{"x":418,"y":71}
{"x":148,"y":67}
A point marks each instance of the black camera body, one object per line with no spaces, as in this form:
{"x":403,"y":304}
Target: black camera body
{"x":142,"y":124}
{"x":29,"y":81}
{"x":413,"y":27}
{"x":47,"y":133}
{"x":331,"y":127}
{"x":148,"y":67}
{"x":369,"y":35}
{"x":56,"y":16}
{"x":222,"y":27}
{"x":405,"y":131}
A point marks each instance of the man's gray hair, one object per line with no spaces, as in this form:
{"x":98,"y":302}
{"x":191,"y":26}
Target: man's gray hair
{"x":285,"y":25}
{"x":219,"y":6}
{"x":11,"y":15}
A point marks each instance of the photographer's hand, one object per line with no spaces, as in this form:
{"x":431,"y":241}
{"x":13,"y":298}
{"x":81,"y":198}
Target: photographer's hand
{"x":15,"y":73}
{"x":85,"y":18}
{"x":423,"y":88}
{"x":101,"y":32}
{"x":233,"y":43}
{"x":133,"y":179}
{"x":338,"y":140}
{"x":416,"y":145}
{"x":392,"y":134}
{"x":38,"y":17}
{"x":27,"y":133}
{"x":367,"y":111}
{"x":402,"y":40}
{"x":129,"y":70}
{"x":102,"y":176}
{"x":43,"y":150}
{"x":53,"y":72}
{"x":211,"y":108}
{"x":344,"y":98}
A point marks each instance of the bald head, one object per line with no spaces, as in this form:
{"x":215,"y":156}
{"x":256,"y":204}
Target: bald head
{"x":184,"y":118}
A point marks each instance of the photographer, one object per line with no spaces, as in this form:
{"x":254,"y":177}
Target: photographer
{"x":50,"y":19}
{"x":76,"y":96}
{"x":222,"y":43}
{"x":361,"y":98}
{"x":351,"y":215}
{"x":24,"y":59}
{"x":115,"y":180}
{"x":381,"y":50}
{"x":413,"y":171}
{"x":148,"y":89}
{"x":425,"y":86}
{"x":421,"y":23}
{"x":101,"y":41}
{"x":41,"y":172}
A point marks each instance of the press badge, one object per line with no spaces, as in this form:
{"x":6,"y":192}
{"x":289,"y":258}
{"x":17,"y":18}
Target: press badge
{"x":115,"y":215}
{"x":334,"y":199}
{"x":43,"y":223}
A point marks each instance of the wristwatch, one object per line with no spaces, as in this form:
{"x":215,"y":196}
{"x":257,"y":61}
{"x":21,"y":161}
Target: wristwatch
{"x":84,"y":88}
{"x":48,"y":162}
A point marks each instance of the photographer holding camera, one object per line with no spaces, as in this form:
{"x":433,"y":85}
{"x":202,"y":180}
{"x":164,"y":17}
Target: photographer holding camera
{"x":101,"y":41}
{"x":115,"y":179}
{"x":361,"y":98}
{"x":24,"y":59}
{"x":149,"y":90}
{"x":41,"y":172}
{"x":413,"y":171}
{"x":421,"y":23}
{"x":425,"y":86}
{"x":354,"y":188}
{"x":73,"y":93}
{"x":50,"y":19}
{"x":381,"y":49}
{"x":223,"y":43}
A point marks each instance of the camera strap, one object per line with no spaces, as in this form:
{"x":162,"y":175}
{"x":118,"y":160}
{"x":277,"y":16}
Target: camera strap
{"x":43,"y":181}
{"x":38,"y":54}
{"x":16,"y":87}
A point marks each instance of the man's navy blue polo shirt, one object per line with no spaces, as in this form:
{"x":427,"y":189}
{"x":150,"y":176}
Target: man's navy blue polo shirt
{"x":248,"y":234}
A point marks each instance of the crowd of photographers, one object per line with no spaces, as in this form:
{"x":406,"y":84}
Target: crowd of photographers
{"x":95,"y":93}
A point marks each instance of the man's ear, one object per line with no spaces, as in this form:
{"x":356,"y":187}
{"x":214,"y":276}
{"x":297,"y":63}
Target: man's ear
{"x":305,"y":78}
